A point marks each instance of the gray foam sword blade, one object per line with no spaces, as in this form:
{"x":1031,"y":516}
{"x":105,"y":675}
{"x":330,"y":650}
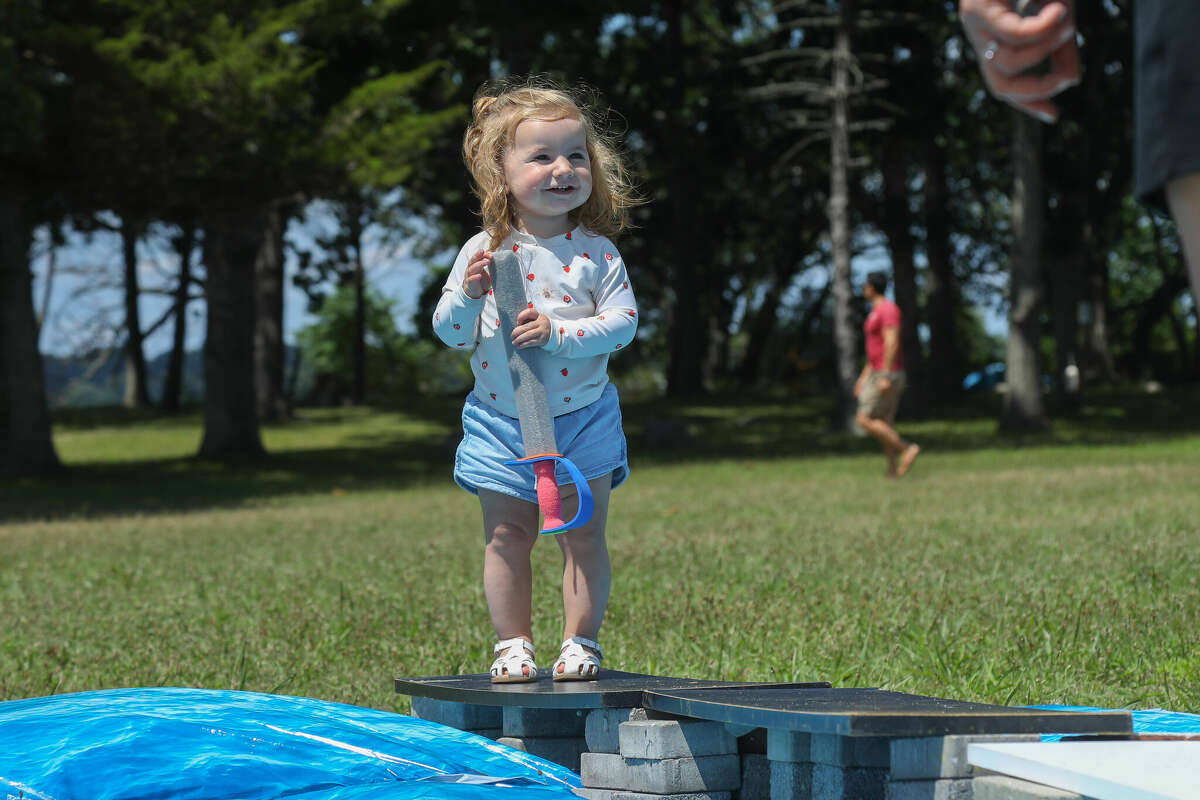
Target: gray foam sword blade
{"x":533,"y":410}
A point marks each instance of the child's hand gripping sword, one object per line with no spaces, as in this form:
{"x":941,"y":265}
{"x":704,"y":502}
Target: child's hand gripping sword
{"x":533,"y":411}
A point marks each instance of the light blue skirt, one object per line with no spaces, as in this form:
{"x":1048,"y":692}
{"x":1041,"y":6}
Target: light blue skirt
{"x":591,"y":437}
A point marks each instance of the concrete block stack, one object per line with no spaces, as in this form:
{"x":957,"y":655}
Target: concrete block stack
{"x":936,"y":767}
{"x":483,"y":720}
{"x":555,"y":734}
{"x":663,"y":759}
{"x":827,"y":766}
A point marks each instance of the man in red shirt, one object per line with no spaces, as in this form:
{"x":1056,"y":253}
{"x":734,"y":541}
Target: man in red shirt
{"x":881,"y":383}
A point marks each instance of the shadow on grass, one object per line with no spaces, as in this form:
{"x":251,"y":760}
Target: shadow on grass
{"x":365,"y":454}
{"x":735,"y":428}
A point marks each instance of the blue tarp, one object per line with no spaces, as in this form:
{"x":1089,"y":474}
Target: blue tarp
{"x":1145,"y":721}
{"x":191,"y":743}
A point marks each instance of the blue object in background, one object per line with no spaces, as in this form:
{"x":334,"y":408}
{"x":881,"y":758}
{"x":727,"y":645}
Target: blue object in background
{"x":1145,"y":721}
{"x":193,"y":743}
{"x":987,"y":378}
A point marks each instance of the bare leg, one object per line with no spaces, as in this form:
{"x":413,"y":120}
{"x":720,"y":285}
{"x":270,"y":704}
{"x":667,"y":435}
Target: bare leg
{"x":1183,"y":196}
{"x":510,"y":528}
{"x":895,"y":447}
{"x":587,"y":574}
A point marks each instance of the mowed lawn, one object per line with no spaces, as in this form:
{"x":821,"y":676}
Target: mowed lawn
{"x":748,"y":544}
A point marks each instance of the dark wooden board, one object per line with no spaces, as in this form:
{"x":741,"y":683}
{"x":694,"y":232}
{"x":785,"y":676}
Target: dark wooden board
{"x":613,"y":689}
{"x":874,"y":712}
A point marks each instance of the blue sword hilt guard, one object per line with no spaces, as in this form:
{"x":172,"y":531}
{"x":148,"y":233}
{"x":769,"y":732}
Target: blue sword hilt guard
{"x":586,"y":504}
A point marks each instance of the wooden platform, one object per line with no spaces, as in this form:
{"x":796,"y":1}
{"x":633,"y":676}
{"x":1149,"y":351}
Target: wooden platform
{"x":814,"y":707}
{"x":614,"y":689}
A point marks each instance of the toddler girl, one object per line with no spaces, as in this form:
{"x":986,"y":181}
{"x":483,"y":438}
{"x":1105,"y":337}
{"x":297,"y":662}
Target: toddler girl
{"x":552,"y":188}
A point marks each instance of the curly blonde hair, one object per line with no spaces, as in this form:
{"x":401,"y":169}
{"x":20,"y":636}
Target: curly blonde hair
{"x":495,"y":114}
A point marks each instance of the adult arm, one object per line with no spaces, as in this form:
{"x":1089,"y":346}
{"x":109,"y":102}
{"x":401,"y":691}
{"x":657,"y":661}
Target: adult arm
{"x":891,"y":345}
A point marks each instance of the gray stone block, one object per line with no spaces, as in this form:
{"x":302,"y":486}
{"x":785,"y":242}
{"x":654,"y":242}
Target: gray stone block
{"x":464,"y":716}
{"x":947,"y":789}
{"x":543,"y":722}
{"x":789,"y":746}
{"x":848,"y":783}
{"x":1002,"y":787}
{"x":661,"y":738}
{"x":621,"y":794}
{"x":790,"y":780}
{"x":666,"y":776}
{"x":564,"y":751}
{"x":850,"y":751}
{"x":935,"y":757}
{"x":601,"y":728}
{"x":756,"y":777}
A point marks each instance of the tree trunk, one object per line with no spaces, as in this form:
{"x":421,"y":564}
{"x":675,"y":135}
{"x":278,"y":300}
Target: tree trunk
{"x":897,"y":225}
{"x":1064,"y":282}
{"x":136,"y":393}
{"x":230,"y":419}
{"x":945,"y":358}
{"x":26,"y":446}
{"x":689,"y":326}
{"x":1023,"y":409}
{"x":1099,"y":354}
{"x":173,"y":385}
{"x":845,"y":334}
{"x":268,"y":324}
{"x":358,"y":392}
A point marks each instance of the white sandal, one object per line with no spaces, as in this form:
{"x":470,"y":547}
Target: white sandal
{"x":578,"y":664}
{"x":511,"y":655}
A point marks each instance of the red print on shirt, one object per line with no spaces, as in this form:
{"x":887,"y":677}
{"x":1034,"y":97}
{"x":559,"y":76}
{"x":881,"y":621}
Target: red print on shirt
{"x":566,"y":298}
{"x":609,"y":256}
{"x":566,"y":268}
{"x":568,"y":234}
{"x":514,"y":248}
{"x":564,"y":372}
{"x":485,"y":365}
{"x":579,"y":332}
{"x":457,"y":326}
{"x":530,"y":276}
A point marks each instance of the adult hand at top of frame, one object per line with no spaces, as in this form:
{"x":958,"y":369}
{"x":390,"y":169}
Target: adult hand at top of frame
{"x":1009,"y":44}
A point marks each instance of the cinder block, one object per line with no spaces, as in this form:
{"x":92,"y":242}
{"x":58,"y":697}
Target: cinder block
{"x":933,"y":757}
{"x":464,"y":716}
{"x":602,"y":725}
{"x":790,"y":780}
{"x":621,"y":794}
{"x":848,"y":783}
{"x":543,"y":722}
{"x":661,"y":738}
{"x":564,"y":751}
{"x":949,"y":789}
{"x":789,"y":746}
{"x":1002,"y":787}
{"x":850,"y":751}
{"x":756,"y":777}
{"x":666,"y":776}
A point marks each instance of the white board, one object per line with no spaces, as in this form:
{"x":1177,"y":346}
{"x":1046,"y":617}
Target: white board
{"x":1103,"y":770}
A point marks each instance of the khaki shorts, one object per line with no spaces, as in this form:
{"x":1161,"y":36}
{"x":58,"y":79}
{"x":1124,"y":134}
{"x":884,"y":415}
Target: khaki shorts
{"x":881,"y":405}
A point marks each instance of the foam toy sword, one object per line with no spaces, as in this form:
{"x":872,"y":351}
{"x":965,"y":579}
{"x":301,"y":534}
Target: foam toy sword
{"x":533,"y":410}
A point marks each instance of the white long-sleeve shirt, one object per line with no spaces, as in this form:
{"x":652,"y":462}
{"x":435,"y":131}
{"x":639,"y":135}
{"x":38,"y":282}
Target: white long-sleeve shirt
{"x":579,"y":282}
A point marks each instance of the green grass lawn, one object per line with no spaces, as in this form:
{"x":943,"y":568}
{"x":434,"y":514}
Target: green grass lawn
{"x":1062,"y":568}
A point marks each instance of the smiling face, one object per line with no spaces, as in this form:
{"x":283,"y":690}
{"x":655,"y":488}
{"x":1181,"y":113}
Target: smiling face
{"x":548,"y":174}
